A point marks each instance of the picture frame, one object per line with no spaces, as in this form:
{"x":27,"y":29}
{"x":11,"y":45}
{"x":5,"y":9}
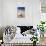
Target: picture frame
{"x":20,"y":12}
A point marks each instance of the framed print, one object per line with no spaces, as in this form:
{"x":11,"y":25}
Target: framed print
{"x":20,"y":12}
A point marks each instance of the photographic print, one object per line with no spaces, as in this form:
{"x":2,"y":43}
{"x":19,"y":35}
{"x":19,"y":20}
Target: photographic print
{"x":20,"y":12}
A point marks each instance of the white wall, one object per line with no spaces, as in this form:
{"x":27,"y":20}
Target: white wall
{"x":1,"y":18}
{"x":9,"y":13}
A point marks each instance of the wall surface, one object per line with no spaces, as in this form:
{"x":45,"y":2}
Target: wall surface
{"x":8,"y":12}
